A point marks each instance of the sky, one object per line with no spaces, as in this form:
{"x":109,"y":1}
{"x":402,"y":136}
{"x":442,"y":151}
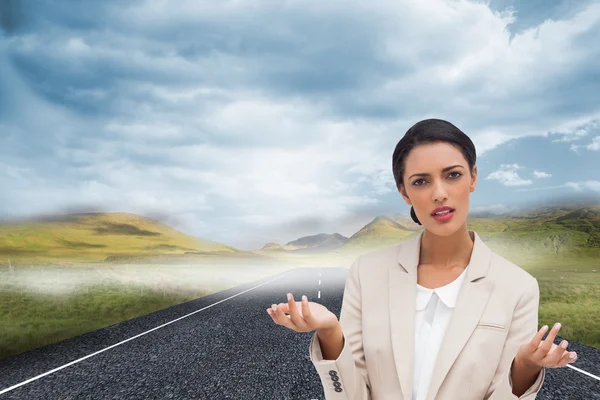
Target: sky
{"x":248,"y":122}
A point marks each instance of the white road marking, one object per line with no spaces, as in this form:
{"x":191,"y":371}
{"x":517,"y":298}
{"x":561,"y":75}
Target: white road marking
{"x":131,"y":338}
{"x":583,"y":372}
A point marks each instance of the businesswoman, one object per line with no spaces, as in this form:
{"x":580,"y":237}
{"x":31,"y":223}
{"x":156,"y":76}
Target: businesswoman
{"x":439,"y":315}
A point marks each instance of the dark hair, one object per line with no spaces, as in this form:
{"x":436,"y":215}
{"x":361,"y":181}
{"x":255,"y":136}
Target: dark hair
{"x":429,"y":131}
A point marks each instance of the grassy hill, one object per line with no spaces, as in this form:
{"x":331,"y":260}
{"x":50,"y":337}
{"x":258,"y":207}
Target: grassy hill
{"x":381,"y":232}
{"x":561,"y":234}
{"x":556,"y":233}
{"x":93,"y":237}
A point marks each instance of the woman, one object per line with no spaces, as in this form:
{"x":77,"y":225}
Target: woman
{"x":440,"y":315}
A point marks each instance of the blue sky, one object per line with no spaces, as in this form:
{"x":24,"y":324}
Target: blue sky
{"x":252,"y":121}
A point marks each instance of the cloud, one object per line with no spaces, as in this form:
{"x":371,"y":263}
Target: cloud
{"x":575,"y":130}
{"x":541,"y":174}
{"x":235,"y":115}
{"x":595,"y":145}
{"x":581,"y":186}
{"x":508,"y":176}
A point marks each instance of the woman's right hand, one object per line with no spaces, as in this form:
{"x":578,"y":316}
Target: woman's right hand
{"x":303,"y":317}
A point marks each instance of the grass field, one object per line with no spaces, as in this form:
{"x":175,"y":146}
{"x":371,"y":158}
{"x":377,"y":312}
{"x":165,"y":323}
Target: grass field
{"x":39,"y":307}
{"x":570,"y":294}
{"x":29,"y":320}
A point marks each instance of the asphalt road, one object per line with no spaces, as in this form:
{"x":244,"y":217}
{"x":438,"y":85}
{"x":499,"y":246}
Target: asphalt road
{"x":222,"y":346}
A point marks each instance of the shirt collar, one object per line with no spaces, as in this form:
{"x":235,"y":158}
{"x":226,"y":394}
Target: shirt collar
{"x":448,"y":294}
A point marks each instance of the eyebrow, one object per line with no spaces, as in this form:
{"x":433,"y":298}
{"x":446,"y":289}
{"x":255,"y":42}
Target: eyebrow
{"x":443,"y":170}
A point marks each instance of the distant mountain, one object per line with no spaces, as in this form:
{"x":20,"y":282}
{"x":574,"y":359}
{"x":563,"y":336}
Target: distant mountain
{"x":319,"y":240}
{"x":98,"y":237}
{"x":314,"y":244}
{"x":272,"y":246}
{"x":382,"y":231}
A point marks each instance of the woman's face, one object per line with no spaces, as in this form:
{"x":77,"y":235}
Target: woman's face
{"x":437,"y":175}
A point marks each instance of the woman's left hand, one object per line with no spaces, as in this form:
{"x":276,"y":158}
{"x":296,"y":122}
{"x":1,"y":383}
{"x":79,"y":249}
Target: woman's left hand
{"x":537,"y":354}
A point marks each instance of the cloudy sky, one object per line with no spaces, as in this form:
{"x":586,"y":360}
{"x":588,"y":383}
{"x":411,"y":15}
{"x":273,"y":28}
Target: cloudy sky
{"x":253,"y":121}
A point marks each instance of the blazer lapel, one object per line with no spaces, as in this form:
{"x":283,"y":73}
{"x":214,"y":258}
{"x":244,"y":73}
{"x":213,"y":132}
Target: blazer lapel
{"x":471,"y":301}
{"x":402,"y":297}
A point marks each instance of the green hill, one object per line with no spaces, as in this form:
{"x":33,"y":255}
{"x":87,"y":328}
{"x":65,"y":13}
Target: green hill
{"x":555,"y":233}
{"x":559,"y":234}
{"x":94,"y":237}
{"x":383,"y":231}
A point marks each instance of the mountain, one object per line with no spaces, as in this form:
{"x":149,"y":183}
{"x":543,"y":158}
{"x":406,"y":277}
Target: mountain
{"x":99,"y":237}
{"x":314,"y":244}
{"x":272,"y":246}
{"x":562,"y":234}
{"x":382,"y":231}
{"x":322,"y":240}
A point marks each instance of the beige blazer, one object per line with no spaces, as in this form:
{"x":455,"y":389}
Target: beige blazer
{"x":496,"y":311}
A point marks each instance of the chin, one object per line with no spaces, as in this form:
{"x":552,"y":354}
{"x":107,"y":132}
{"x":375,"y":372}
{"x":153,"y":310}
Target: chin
{"x":445,"y":229}
{"x":442,"y":231}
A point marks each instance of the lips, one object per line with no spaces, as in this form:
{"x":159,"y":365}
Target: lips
{"x":440,"y":209}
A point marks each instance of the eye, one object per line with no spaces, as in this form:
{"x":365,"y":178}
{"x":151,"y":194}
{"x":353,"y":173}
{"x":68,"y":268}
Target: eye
{"x":458,"y":175}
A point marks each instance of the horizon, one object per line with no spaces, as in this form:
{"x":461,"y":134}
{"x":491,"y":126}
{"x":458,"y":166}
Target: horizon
{"x":569,"y":202}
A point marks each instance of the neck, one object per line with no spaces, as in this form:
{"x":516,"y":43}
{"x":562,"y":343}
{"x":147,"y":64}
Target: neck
{"x":446,"y":251}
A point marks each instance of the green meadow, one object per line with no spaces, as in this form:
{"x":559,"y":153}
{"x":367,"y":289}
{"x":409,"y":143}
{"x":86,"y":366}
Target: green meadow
{"x":73,"y":274}
{"x":30,"y":320}
{"x":40,"y":307}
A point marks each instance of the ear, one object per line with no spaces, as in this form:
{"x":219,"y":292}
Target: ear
{"x":404,"y":195}
{"x":474,"y":178}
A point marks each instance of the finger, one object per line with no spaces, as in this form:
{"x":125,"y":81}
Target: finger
{"x":566,"y":358}
{"x":284,"y":307}
{"x":284,"y":319}
{"x":553,"y":357}
{"x":536,"y":342}
{"x":543,"y":350}
{"x":272,"y":315}
{"x":306,"y":310}
{"x":295,"y":314}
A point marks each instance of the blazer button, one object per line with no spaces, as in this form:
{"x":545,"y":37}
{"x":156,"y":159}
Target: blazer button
{"x":338,"y":389}
{"x":333,"y":372}
{"x":335,"y":378}
{"x":337,"y":384}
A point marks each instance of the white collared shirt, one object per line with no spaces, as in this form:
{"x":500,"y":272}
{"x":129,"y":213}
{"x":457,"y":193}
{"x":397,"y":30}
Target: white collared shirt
{"x":434,"y":308}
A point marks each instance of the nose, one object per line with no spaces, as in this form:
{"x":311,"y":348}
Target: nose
{"x":439,"y":193}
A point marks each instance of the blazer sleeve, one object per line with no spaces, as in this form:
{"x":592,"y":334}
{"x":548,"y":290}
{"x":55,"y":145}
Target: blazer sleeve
{"x":522,"y":329}
{"x":345,"y":378}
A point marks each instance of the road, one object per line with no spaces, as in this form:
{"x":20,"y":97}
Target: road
{"x":222,"y":346}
